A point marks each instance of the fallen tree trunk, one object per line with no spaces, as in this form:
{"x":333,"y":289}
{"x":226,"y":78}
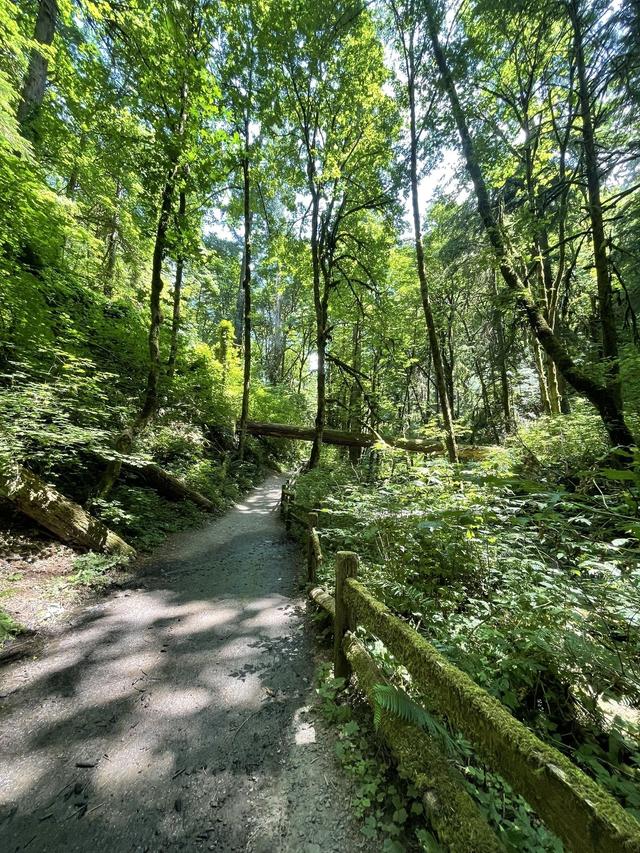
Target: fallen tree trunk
{"x":324,"y":600}
{"x":62,"y":517}
{"x":168,"y":485}
{"x":350,"y":439}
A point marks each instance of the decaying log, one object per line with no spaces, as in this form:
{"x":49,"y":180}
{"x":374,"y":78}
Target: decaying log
{"x":168,"y":485}
{"x":62,"y":517}
{"x":349,"y":439}
{"x":324,"y":600}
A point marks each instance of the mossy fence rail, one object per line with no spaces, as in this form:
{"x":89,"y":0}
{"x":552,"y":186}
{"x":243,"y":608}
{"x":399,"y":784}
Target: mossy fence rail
{"x":584,"y":816}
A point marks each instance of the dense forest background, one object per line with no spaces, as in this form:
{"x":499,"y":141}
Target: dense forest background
{"x":403,"y":217}
{"x":290,"y":160}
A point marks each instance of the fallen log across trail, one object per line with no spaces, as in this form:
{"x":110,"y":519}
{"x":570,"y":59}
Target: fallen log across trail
{"x":363,"y":439}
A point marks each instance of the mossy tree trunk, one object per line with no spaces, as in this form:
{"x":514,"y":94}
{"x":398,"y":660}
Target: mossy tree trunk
{"x":602,"y":396}
{"x":64,"y":518}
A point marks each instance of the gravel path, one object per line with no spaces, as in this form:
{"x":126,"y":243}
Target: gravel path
{"x":176,"y":716}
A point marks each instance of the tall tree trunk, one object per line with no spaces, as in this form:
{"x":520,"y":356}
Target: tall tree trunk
{"x":434,"y":344}
{"x":124,"y":441}
{"x":505,"y":394}
{"x":541,"y":373}
{"x":238,"y":318}
{"x":552,"y":386}
{"x":177,"y":288}
{"x":355,"y":395}
{"x":321,"y":325}
{"x":36,"y":79}
{"x":601,"y":396}
{"x":601,"y":260}
{"x":246,"y":289}
{"x":321,"y":392}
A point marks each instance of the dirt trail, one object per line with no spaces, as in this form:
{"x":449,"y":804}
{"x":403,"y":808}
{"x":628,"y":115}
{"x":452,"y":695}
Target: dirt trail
{"x":174,"y":716}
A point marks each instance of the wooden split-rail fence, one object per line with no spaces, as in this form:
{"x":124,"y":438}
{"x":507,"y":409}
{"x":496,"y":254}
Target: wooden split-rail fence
{"x":583,"y":815}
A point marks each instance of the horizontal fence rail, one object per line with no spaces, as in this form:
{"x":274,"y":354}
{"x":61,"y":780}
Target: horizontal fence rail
{"x":582,"y":814}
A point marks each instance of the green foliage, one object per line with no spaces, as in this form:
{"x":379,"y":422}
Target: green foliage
{"x":531,"y":587}
{"x":49,"y":417}
{"x":389,"y":809}
{"x":93,"y":570}
{"x":8,"y":627}
{"x":397,"y":702}
{"x":278,"y":404}
{"x":143,"y":518}
{"x":561,"y":445}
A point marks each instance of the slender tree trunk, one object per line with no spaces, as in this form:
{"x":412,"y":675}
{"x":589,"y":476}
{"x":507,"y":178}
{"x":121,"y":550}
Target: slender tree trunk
{"x":246,"y":289}
{"x":355,"y":395}
{"x":505,"y":393}
{"x":124,"y":441}
{"x":552,"y":386}
{"x":177,"y":289}
{"x":601,"y":396}
{"x":36,"y":79}
{"x":434,"y":344}
{"x":321,"y":324}
{"x":321,"y":392}
{"x":443,"y":397}
{"x":239,"y":315}
{"x":175,"y":317}
{"x":601,"y":260}
{"x":538,"y":360}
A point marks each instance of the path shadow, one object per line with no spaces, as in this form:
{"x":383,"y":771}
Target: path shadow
{"x":149,"y":723}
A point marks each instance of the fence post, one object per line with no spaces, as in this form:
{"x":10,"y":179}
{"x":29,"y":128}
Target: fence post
{"x":346,"y":567}
{"x":287,"y":515}
{"x":283,"y":501}
{"x":311,"y":554}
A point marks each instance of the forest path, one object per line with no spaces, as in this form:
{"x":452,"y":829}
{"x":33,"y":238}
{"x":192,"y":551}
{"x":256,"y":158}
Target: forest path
{"x":174,"y":716}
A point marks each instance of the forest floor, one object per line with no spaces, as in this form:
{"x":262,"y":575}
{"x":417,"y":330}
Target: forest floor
{"x":179,"y":714}
{"x":39,"y":589}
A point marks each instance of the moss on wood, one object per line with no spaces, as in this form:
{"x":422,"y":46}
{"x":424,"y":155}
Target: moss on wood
{"x":169,"y":486}
{"x":64,"y":518}
{"x":454,"y":817}
{"x":581,"y":813}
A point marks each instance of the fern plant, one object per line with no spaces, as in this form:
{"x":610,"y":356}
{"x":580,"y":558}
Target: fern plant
{"x":396,"y":702}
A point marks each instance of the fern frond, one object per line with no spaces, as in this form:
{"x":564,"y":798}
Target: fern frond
{"x":399,"y":704}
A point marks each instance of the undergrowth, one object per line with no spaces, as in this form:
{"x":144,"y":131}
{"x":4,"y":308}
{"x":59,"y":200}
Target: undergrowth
{"x":144,"y":518}
{"x":8,"y":627}
{"x":389,"y":808}
{"x":524,"y":571}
